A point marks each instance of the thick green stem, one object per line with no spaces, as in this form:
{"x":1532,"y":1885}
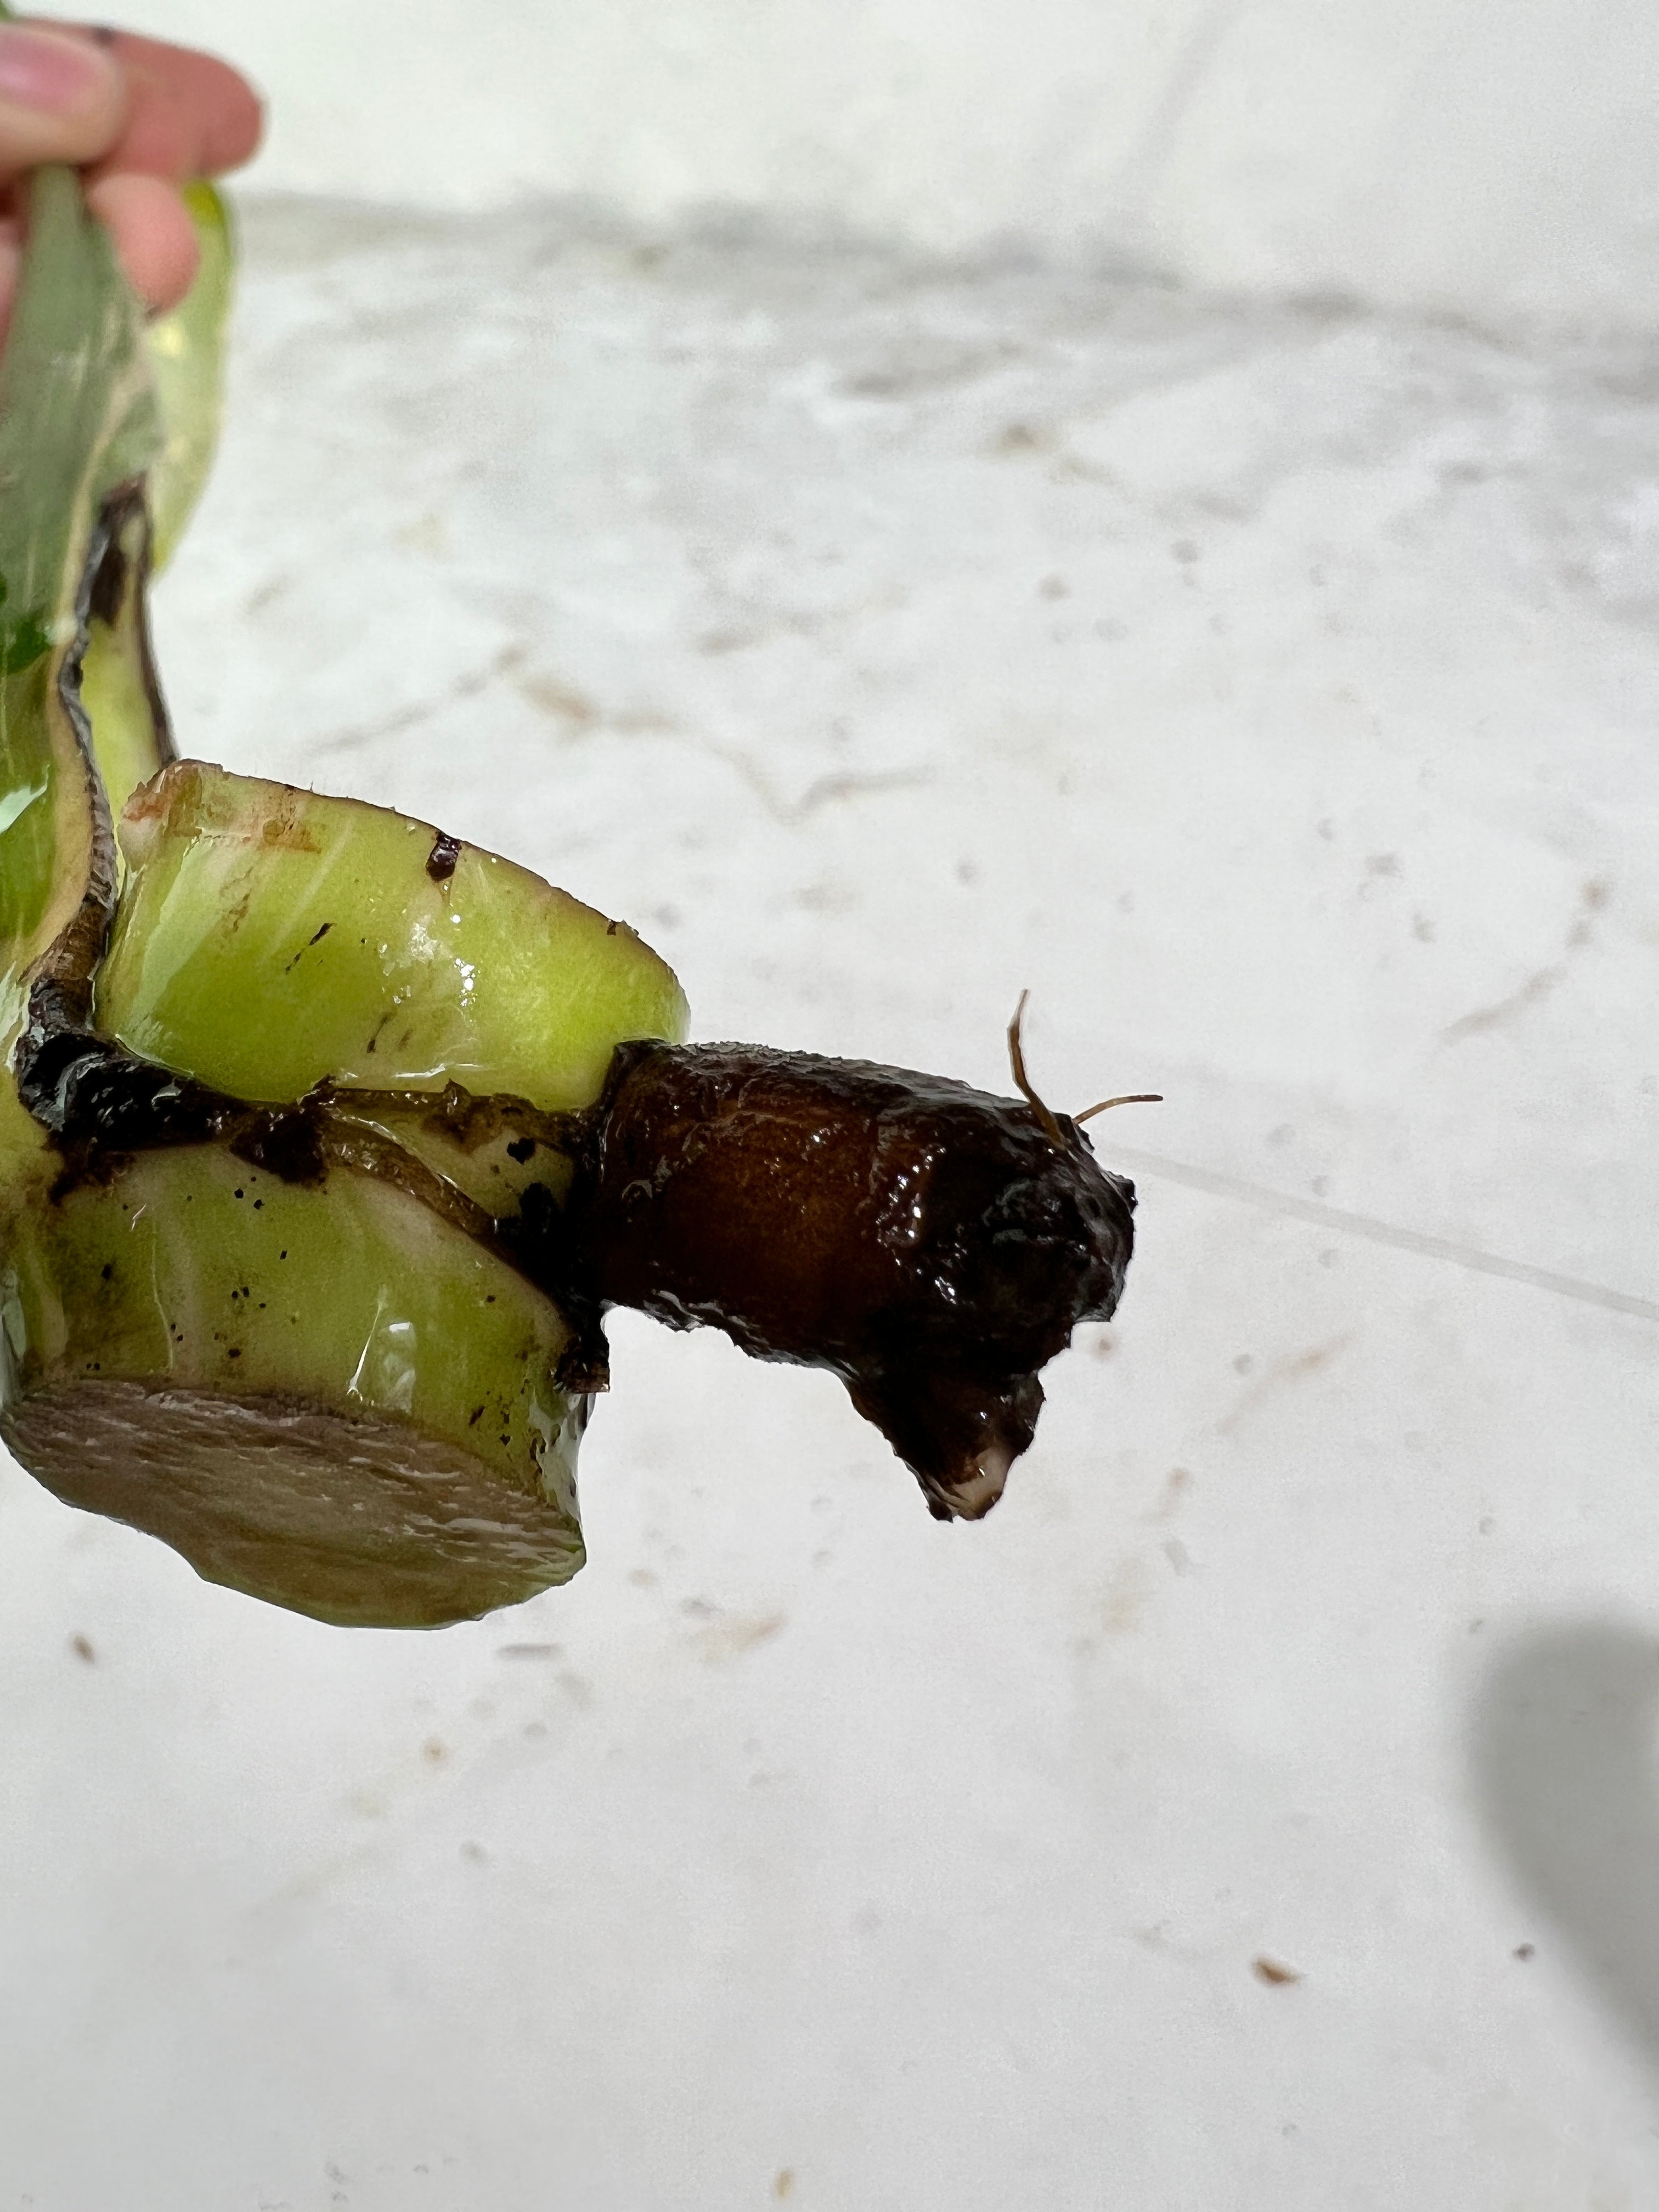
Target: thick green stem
{"x":326,"y":1397}
{"x":310,"y":1343}
{"x":326,"y":1139}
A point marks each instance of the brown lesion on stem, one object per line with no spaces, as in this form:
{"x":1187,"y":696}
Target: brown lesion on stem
{"x":342,"y":1141}
{"x":64,"y":970}
{"x":467,"y":1119}
{"x":102,"y":1105}
{"x":116,"y":589}
{"x":112,"y":586}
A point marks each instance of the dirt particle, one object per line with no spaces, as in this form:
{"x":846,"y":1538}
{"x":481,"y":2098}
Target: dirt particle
{"x":1524,"y":1951}
{"x":730,"y":1636}
{"x":783,"y":2186}
{"x":434,"y":1750}
{"x":1175,"y":1485}
{"x":1272,"y":1972}
{"x":562,"y":702}
{"x":1124,"y":1598}
{"x":82,"y":1647}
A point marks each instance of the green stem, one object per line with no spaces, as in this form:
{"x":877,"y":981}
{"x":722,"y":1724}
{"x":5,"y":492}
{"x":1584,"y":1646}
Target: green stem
{"x":326,"y":1139}
{"x":327,"y":1374}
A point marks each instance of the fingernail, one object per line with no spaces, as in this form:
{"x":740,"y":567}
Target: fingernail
{"x":55,"y":75}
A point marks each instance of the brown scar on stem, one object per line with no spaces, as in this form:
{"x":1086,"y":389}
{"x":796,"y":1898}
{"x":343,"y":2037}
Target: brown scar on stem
{"x":465,"y":1117}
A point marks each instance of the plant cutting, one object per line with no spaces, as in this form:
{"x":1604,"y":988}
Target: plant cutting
{"x":327,"y":1140}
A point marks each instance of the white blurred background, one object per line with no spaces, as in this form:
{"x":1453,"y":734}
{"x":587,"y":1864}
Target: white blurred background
{"x":1462,"y":155}
{"x":1159,"y":504}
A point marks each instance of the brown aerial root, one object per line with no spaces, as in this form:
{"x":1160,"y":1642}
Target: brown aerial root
{"x":1046,"y":1119}
{"x":1051,"y":1128}
{"x":1128,"y":1098}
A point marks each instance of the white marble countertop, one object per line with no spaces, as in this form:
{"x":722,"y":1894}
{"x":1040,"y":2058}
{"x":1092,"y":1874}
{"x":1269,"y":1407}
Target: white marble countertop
{"x":1274,"y":693}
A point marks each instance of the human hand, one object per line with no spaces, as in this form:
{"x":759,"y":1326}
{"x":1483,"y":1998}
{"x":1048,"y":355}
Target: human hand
{"x":139,"y":119}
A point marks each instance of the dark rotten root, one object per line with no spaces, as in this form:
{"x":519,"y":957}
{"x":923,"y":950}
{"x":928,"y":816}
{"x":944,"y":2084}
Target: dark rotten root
{"x":931,"y":1245}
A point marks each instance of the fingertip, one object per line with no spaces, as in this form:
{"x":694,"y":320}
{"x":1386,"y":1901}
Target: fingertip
{"x":61,"y":98}
{"x":154,"y":238}
{"x":191,"y":114}
{"x":234,"y":119}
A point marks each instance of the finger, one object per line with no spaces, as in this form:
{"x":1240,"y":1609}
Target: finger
{"x":189,"y":115}
{"x":11,"y":256}
{"x":154,"y":238}
{"x":62,"y":99}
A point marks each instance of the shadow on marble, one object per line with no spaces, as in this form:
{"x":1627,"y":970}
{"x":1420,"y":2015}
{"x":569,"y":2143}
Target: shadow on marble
{"x":1564,"y":1755}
